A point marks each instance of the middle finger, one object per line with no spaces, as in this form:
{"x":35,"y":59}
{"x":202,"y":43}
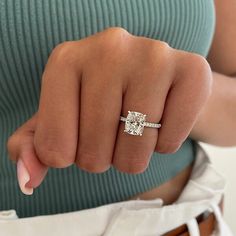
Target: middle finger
{"x":101,"y":100}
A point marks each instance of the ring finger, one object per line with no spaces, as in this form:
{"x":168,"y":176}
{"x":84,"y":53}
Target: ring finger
{"x":132,"y":153}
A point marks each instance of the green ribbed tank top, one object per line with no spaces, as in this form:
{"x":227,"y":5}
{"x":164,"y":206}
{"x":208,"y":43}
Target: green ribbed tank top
{"x":29,"y":30}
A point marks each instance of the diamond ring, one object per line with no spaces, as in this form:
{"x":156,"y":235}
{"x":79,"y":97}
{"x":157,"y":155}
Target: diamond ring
{"x":135,"y":123}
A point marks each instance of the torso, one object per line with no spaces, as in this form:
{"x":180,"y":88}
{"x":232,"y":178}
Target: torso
{"x":169,"y":191}
{"x":29,"y":31}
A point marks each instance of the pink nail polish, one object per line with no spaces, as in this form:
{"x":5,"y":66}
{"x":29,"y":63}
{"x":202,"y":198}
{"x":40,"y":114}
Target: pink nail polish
{"x":23,"y":178}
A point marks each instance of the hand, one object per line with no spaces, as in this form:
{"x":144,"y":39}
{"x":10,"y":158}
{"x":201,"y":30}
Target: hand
{"x":88,"y":84}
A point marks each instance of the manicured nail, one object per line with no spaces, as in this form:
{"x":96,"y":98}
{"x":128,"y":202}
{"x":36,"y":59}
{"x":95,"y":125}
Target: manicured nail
{"x":23,"y":178}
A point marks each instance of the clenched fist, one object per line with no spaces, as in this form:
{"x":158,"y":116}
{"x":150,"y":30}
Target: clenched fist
{"x":88,"y":84}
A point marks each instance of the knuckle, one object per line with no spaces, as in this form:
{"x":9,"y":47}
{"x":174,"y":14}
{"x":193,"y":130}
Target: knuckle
{"x":168,"y":148}
{"x":52,"y":156}
{"x":91,"y":162}
{"x":196,"y":63}
{"x":199,"y":63}
{"x":113,"y":42}
{"x":12,"y":143}
{"x":64,"y":53}
{"x":160,"y":56}
{"x":201,"y":70}
{"x":195,"y":69}
{"x":161,"y":46}
{"x":116,"y":32}
{"x":137,"y":168}
{"x":135,"y":164}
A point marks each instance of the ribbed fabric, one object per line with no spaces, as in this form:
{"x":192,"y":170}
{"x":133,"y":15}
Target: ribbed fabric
{"x":29,"y":30}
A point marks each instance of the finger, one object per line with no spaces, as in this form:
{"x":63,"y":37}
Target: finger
{"x":57,"y":127}
{"x":99,"y":119}
{"x":15,"y":139}
{"x":30,"y":171}
{"x":132,"y":153}
{"x":184,"y":103}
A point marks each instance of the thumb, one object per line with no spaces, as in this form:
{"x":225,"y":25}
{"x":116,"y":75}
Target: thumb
{"x":30,"y":171}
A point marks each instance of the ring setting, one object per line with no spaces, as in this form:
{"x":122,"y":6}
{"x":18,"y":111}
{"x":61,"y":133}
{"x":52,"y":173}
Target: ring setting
{"x":135,"y":123}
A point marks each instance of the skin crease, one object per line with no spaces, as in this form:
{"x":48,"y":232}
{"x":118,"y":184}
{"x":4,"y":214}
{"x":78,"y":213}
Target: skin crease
{"x":25,"y":149}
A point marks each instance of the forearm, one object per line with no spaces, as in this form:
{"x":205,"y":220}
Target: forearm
{"x":217,"y":122}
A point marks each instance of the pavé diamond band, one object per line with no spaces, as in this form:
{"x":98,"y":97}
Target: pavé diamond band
{"x":135,"y":123}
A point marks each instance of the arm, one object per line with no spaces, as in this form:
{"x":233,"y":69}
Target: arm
{"x":216,"y":124}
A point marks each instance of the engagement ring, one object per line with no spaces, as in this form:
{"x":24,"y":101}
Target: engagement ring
{"x":135,"y":123}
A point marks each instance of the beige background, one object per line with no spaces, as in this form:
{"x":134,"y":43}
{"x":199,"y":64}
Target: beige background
{"x":224,"y":160}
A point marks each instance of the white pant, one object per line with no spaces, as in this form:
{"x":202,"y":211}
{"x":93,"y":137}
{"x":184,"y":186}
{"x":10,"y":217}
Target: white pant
{"x":134,"y":217}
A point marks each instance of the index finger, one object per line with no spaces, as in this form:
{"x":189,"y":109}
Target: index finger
{"x":56,"y":131}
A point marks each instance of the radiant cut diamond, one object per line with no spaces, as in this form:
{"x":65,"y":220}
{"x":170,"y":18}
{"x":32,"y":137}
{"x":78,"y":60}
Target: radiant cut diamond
{"x":135,"y":123}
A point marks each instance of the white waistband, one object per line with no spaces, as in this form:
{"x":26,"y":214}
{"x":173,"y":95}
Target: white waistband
{"x":203,"y":192}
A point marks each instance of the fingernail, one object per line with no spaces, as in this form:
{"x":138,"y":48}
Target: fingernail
{"x":23,"y":178}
